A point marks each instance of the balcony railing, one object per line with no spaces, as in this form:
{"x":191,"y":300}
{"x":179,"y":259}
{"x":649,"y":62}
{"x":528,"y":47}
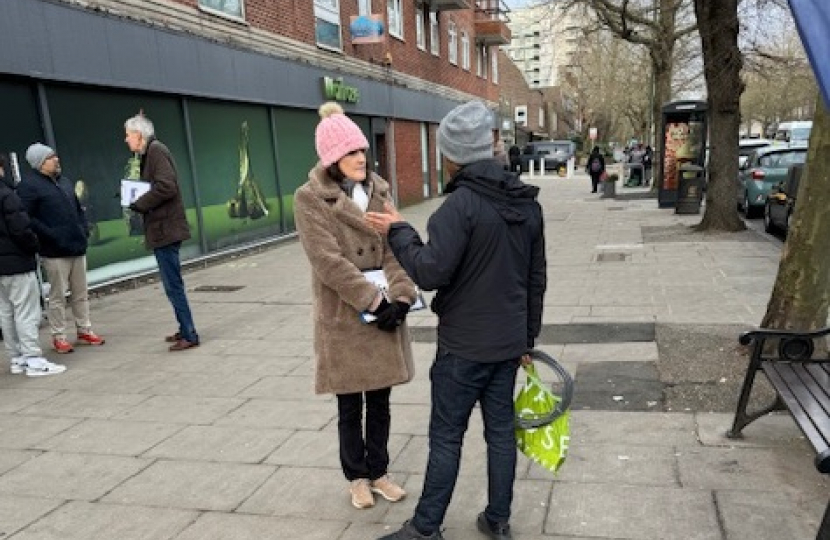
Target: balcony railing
{"x":491,"y":22}
{"x":446,"y":5}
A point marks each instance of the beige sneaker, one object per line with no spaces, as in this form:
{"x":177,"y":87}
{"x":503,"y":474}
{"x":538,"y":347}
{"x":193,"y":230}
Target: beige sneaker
{"x":361,"y":494}
{"x":389,"y":490}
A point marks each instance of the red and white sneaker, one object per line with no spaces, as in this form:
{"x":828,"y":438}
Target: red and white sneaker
{"x":90,"y":338}
{"x":62,"y":346}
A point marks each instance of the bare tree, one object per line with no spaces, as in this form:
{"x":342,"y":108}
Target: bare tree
{"x":722,"y":60}
{"x":800,"y":296}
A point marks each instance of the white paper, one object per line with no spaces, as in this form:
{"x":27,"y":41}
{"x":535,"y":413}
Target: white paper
{"x":378,"y":278}
{"x":132,"y":190}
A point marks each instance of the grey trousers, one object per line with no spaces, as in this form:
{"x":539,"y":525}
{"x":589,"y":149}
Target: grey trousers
{"x":67,"y":274}
{"x":20,"y":314}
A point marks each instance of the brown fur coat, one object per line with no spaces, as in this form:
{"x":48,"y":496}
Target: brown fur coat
{"x":351,"y":356}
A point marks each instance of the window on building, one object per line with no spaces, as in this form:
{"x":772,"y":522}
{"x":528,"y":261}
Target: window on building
{"x":229,"y":8}
{"x":364,"y":7}
{"x":465,"y":51}
{"x":394,"y":14}
{"x":452,"y":44}
{"x":434,"y":41}
{"x":327,"y":24}
{"x":420,"y":36}
{"x":481,"y":61}
{"x":520,"y":115}
{"x":541,"y":117}
{"x":495,"y":67}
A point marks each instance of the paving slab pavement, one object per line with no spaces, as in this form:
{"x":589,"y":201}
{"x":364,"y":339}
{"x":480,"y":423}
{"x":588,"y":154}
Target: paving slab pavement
{"x":228,"y":441}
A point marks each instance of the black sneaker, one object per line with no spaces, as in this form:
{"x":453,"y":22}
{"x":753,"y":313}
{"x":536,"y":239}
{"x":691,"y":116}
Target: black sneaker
{"x":409,"y":532}
{"x":494,"y":531}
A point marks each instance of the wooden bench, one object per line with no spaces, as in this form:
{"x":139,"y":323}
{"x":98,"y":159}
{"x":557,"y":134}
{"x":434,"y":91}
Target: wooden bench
{"x":802,"y":386}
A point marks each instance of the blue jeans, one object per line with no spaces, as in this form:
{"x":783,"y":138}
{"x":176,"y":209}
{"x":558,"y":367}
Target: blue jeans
{"x":170,"y":269}
{"x":457,"y":384}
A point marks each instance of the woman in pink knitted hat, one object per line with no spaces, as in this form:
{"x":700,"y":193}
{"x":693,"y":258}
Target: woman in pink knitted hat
{"x":356,"y":360}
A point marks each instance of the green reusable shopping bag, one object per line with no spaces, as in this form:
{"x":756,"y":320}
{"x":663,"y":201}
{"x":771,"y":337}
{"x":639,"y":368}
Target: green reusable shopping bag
{"x":547,"y":445}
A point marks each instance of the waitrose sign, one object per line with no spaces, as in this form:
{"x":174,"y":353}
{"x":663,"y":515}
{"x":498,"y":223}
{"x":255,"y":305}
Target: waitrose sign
{"x":335,"y":89}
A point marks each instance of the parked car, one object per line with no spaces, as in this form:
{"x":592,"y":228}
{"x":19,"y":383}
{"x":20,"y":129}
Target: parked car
{"x":555,"y":154}
{"x":780,"y":205}
{"x":765,"y":168}
{"x":747,"y":146}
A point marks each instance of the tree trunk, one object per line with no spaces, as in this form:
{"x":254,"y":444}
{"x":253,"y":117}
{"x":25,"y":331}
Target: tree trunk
{"x":717,"y":22}
{"x":662,"y":66}
{"x":800,"y":295}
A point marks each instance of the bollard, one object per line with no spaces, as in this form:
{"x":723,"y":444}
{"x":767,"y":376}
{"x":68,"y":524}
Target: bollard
{"x":541,"y":165}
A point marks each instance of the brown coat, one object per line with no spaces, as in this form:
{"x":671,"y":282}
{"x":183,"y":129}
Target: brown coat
{"x":165,"y":221}
{"x":351,"y":356}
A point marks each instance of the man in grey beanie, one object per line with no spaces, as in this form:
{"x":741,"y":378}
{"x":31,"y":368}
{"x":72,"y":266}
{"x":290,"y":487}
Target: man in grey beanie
{"x":62,"y":229}
{"x":486,"y":259}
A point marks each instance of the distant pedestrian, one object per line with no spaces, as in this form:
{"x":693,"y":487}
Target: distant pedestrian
{"x":486,"y":258}
{"x":648,"y":159}
{"x":20,"y":310}
{"x":595,"y":168}
{"x":63,"y":231}
{"x":357,"y":362}
{"x":165,"y":222}
{"x":515,"y":153}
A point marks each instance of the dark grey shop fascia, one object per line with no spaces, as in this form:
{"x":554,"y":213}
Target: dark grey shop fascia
{"x":58,"y":42}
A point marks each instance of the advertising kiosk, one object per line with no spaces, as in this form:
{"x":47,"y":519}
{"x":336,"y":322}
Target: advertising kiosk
{"x":681,"y":141}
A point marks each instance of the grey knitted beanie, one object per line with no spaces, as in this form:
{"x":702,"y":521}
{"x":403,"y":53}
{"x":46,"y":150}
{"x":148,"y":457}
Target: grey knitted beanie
{"x":465,"y":135}
{"x":37,"y":154}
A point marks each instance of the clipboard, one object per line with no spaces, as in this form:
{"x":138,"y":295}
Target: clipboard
{"x":132,"y":190}
{"x":378,"y":278}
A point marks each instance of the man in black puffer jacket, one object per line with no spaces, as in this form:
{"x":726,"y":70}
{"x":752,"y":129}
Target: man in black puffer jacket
{"x":61,"y":226}
{"x":19,"y":287}
{"x":486,"y":259}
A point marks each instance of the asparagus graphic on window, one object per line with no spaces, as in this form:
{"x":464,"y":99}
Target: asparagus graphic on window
{"x":132,"y":171}
{"x":248,"y":201}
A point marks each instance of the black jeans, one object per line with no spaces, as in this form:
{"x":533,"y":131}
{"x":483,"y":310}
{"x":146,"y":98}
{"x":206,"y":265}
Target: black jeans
{"x":364,"y":457}
{"x":457,"y":384}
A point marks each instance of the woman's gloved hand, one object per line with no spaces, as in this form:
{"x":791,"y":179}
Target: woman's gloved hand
{"x":390,"y":315}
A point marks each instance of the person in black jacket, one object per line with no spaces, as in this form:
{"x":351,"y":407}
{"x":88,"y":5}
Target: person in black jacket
{"x":20,"y":310}
{"x":486,"y":259}
{"x":61,"y":226}
{"x":595,"y":168}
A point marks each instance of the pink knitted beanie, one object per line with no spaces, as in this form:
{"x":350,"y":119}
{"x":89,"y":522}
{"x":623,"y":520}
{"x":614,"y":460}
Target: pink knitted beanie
{"x":336,"y":134}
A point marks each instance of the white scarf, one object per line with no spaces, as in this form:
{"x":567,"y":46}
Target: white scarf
{"x":359,"y":196}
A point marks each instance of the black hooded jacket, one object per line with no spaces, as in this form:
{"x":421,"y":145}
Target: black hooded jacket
{"x":486,"y":258}
{"x":18,"y":244}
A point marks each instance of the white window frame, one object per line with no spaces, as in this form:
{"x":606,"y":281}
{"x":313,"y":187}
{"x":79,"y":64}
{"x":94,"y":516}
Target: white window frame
{"x":364,"y":7}
{"x":541,"y":117}
{"x":329,"y":11}
{"x":434,"y":34}
{"x":520,"y":115}
{"x":452,"y":43}
{"x":494,"y":69}
{"x":394,"y":16}
{"x":465,"y":50}
{"x":420,"y":34}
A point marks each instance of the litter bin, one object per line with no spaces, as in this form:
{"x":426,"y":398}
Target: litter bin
{"x":690,"y":189}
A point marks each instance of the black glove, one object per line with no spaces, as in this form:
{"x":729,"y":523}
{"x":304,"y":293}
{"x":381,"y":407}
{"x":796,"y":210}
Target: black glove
{"x":134,"y":208}
{"x":390,"y":316}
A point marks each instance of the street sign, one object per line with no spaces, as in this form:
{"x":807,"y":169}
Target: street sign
{"x":812,"y":17}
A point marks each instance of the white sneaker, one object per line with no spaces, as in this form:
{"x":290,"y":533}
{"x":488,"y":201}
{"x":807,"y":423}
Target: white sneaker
{"x":18,"y":365}
{"x":42,"y":368}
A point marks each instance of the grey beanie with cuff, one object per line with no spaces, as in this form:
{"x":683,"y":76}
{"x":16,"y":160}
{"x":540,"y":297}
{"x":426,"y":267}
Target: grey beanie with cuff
{"x":465,"y":135}
{"x":37,"y":154}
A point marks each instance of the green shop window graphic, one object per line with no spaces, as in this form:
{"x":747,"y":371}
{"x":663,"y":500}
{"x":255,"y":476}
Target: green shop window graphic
{"x":248,"y":201}
{"x":335,"y":89}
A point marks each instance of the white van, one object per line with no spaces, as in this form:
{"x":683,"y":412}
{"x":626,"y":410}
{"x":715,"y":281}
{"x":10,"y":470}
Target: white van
{"x":794,"y":132}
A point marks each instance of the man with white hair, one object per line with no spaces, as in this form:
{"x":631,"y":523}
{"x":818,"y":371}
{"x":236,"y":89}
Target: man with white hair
{"x":165,"y":222}
{"x":486,"y":259}
{"x":61,"y":226}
